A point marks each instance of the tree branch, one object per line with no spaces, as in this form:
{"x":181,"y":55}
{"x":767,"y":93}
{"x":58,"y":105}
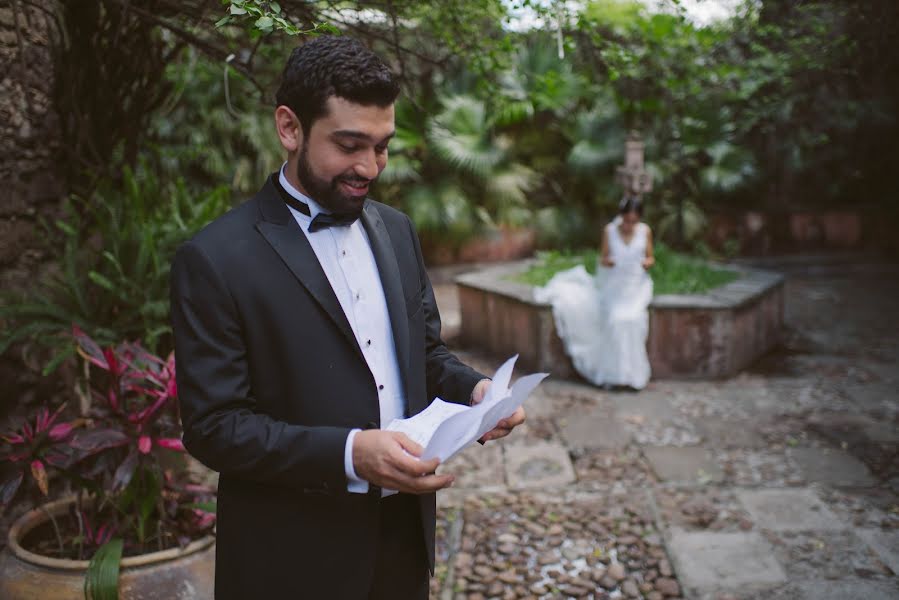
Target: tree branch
{"x":216,"y":52}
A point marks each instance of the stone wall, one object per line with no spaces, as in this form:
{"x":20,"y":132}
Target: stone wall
{"x":709,"y":335}
{"x":30,"y":184}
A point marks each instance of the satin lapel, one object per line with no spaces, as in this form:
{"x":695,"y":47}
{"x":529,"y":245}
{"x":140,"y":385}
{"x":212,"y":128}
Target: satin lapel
{"x":389,"y":270}
{"x":284,"y":235}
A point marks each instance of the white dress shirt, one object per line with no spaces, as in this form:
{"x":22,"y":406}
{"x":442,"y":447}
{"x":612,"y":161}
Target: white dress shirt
{"x":345,"y":256}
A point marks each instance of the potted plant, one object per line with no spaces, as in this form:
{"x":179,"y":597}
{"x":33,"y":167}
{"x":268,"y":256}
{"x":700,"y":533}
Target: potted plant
{"x":135,"y":523}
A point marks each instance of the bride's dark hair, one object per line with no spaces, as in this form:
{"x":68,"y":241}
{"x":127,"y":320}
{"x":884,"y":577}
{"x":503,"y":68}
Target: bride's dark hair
{"x":630,"y":204}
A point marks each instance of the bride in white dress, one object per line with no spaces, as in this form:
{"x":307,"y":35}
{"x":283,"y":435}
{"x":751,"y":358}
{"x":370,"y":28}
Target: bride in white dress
{"x":604,"y":321}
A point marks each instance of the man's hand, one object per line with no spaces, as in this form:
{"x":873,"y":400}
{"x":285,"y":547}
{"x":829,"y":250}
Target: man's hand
{"x":479,"y":391}
{"x":504,"y":427}
{"x":389,"y":459}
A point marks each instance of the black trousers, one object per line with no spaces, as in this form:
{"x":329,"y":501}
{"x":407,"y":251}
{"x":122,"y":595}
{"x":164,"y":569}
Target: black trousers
{"x":401,"y":568}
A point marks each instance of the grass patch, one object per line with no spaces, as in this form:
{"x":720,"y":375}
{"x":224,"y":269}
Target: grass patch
{"x":673,"y":273}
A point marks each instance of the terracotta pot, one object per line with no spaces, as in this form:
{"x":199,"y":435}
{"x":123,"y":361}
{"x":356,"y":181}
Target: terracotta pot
{"x":176,"y":574}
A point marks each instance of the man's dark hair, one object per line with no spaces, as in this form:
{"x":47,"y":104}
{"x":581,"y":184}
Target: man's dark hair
{"x":333,"y":66}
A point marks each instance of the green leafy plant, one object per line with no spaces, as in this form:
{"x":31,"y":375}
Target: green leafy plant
{"x":677,"y":273}
{"x":102,"y":579}
{"x":783,"y":102}
{"x":213,"y":132}
{"x":113,"y":270}
{"x":550,"y":262}
{"x":673,"y":273}
{"x":455,"y":173}
{"x":266,"y":17}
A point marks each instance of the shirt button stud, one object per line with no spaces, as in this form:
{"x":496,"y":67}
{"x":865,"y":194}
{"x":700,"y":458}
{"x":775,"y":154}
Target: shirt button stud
{"x":368,"y":343}
{"x":381,"y":387}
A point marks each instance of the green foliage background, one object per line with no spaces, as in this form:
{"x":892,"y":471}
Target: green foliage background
{"x":789,"y":104}
{"x":673,"y":272}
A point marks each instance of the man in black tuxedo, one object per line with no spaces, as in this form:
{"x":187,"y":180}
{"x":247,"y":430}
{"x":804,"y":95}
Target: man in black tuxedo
{"x":304,"y":321}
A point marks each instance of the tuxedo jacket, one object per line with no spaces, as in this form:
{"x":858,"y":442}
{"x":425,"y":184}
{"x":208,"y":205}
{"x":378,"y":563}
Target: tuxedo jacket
{"x":270,"y":382}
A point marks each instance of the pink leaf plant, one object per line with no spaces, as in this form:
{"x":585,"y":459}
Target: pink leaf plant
{"x":33,"y":447}
{"x":136,"y":395}
{"x":95,"y":536}
{"x":122,"y":454}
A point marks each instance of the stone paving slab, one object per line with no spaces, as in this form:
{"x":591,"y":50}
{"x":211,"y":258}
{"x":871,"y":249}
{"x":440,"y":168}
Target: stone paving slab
{"x":789,"y":510}
{"x":831,"y":466}
{"x":690,"y":464}
{"x":542,"y":404}
{"x":538,"y":465}
{"x":710,"y":561}
{"x":864,"y":508}
{"x":558,"y":399}
{"x":840,"y":427}
{"x":748,"y":397}
{"x":847,"y":589}
{"x":765,"y":468}
{"x":478,"y":466}
{"x":650,"y":406}
{"x":885,"y":544}
{"x":875,"y":396}
{"x":707,"y":508}
{"x":534,"y":429}
{"x":594,"y":432}
{"x":832,"y":555}
{"x":728,"y":433}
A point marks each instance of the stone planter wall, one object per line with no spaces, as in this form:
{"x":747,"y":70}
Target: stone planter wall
{"x":709,"y":335}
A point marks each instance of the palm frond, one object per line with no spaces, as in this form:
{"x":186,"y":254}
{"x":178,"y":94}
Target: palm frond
{"x":460,"y":135}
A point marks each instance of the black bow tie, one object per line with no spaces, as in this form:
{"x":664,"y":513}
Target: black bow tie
{"x":321,"y":220}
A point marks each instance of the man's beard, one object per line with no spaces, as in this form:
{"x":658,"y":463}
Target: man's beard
{"x":327,"y":193}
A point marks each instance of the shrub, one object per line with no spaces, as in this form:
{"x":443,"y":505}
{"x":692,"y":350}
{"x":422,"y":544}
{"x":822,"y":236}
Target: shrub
{"x":113,"y":269}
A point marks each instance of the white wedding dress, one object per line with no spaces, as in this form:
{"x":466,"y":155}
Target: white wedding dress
{"x":604,"y":320}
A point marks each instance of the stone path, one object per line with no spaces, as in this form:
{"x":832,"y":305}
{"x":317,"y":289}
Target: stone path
{"x":780,"y":483}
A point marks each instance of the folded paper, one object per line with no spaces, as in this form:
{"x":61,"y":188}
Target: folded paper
{"x":445,"y":428}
